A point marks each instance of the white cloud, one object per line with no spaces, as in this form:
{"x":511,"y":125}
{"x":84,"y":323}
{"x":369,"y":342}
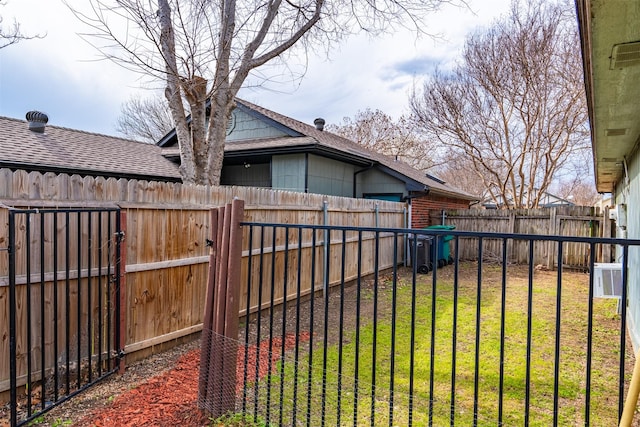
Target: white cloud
{"x":59,"y":74}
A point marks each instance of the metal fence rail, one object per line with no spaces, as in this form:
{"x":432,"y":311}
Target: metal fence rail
{"x":63,"y":304}
{"x":481,"y":342}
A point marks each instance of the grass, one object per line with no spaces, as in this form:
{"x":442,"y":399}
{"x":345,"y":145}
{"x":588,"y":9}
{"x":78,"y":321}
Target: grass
{"x":238,"y":420}
{"x":347,"y":382}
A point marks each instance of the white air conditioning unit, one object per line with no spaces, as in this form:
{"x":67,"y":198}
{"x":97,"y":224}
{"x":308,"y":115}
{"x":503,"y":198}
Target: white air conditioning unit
{"x":607,"y":280}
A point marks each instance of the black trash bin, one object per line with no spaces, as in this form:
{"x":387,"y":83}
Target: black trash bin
{"x":422,"y":248}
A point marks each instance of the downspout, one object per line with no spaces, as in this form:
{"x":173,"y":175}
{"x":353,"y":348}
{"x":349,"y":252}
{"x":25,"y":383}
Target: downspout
{"x":355,"y":193}
{"x":306,"y":172}
{"x":405,"y":216}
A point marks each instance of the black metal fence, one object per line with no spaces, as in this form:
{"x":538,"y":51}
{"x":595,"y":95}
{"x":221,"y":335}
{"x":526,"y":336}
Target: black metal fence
{"x":63,"y":304}
{"x":471,"y":342}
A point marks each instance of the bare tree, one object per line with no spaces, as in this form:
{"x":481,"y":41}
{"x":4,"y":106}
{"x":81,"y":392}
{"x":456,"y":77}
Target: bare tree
{"x":204,"y":51}
{"x":579,"y":191}
{"x":457,"y":170}
{"x":515,"y":104}
{"x":145,"y":119}
{"x":12,"y":35}
{"x":396,"y":138}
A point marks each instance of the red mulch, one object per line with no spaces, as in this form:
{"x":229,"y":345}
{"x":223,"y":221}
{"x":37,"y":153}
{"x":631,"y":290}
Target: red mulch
{"x":170,"y":399}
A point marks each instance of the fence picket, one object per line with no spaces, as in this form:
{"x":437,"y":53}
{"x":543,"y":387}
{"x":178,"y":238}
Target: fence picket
{"x":164,"y":297}
{"x":579,"y":221}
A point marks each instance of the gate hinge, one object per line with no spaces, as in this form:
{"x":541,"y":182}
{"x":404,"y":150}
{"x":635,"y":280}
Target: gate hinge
{"x":119,"y":236}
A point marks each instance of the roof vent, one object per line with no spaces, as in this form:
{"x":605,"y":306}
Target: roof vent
{"x":625,"y":55}
{"x":37,"y":121}
{"x":616,"y":132}
{"x":319,"y":122}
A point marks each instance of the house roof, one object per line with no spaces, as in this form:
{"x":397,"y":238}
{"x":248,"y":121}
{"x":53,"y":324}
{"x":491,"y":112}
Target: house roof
{"x":328,"y":140}
{"x":304,"y":137}
{"x":546,"y":200}
{"x":63,"y":150}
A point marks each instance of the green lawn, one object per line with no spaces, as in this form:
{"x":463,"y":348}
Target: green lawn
{"x":393,"y":352}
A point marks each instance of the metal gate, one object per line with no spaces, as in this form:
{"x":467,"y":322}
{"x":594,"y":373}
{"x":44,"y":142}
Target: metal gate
{"x":64,"y":304}
{"x":479,"y":341}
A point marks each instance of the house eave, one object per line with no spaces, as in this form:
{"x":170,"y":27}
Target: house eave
{"x":28,"y":167}
{"x":611,"y":89}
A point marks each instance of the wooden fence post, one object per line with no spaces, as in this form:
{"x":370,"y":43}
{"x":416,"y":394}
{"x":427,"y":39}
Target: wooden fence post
{"x":219,"y":350}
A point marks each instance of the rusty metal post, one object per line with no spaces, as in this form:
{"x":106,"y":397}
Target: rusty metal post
{"x":217,"y":382}
{"x":232,"y":308}
{"x":207,"y":325}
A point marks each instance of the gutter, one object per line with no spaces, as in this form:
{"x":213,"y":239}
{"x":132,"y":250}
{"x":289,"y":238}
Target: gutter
{"x":355,"y":176}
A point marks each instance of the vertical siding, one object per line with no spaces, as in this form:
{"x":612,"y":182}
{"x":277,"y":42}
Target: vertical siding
{"x":375,"y":182}
{"x":631,"y":197}
{"x":256,"y":175}
{"x":288,"y":172}
{"x":328,"y":176}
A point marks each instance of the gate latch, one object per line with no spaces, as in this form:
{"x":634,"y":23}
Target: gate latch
{"x":119,"y":236}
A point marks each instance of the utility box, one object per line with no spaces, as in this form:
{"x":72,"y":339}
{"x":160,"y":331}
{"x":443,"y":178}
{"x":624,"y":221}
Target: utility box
{"x":607,"y":280}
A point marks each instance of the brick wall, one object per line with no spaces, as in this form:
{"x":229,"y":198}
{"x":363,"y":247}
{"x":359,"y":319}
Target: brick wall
{"x":422,"y":206}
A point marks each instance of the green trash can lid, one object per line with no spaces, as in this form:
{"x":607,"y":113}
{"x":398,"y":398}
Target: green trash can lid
{"x":440,"y":227}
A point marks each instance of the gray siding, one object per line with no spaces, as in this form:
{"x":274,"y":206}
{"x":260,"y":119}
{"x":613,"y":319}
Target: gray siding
{"x":258,"y":175}
{"x":631,"y":196}
{"x":375,"y":182}
{"x":288,"y":172}
{"x":332,"y":177}
{"x":243,"y":126}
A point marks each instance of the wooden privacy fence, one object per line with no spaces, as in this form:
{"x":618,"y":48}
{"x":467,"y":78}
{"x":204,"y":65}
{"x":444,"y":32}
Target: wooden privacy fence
{"x":579,"y":221}
{"x":164,"y":253}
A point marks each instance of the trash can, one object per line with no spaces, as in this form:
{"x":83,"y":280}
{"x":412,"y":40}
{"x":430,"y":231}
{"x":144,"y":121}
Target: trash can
{"x":444,"y":251}
{"x":422,"y":248}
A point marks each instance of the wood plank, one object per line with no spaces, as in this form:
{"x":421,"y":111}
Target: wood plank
{"x":159,"y":265}
{"x":167,"y":223}
{"x":61,"y":275}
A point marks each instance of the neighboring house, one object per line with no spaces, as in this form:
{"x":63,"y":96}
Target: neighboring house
{"x":610,"y":38}
{"x":37,"y":147}
{"x":547,"y":200}
{"x":263,"y":149}
{"x":267,"y":149}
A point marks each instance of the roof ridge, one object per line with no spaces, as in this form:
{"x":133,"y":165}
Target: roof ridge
{"x":79,"y":131}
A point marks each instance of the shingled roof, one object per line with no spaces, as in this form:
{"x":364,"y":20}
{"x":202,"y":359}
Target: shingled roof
{"x":63,"y":150}
{"x":332,"y":141}
{"x":305,"y":137}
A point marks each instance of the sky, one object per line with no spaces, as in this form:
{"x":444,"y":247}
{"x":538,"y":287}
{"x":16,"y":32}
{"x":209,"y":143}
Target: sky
{"x":63,"y":76}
